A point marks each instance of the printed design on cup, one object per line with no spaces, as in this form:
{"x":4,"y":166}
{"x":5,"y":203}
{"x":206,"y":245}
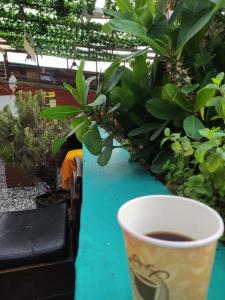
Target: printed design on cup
{"x":159,"y":273}
{"x":149,"y":283}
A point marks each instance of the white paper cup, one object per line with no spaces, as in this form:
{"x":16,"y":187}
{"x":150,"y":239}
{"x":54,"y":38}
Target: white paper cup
{"x":168,"y":270}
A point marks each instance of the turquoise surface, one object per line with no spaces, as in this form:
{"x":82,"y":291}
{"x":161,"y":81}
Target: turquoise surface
{"x":101,"y":267}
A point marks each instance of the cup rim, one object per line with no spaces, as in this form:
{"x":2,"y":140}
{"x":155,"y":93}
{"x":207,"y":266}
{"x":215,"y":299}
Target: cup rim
{"x":169,"y":244}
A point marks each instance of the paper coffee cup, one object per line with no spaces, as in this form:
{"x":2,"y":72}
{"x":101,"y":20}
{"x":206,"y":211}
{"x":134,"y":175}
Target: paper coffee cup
{"x":170,"y":270}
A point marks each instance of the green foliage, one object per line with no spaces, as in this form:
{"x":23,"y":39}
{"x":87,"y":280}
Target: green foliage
{"x":26,"y":139}
{"x":198,"y":167}
{"x":181,"y":93}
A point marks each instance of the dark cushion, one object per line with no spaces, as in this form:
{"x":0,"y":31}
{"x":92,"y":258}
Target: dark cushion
{"x":32,"y":236}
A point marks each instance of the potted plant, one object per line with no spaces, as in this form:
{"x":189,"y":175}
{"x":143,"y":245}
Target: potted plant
{"x":169,"y":112}
{"x":26,"y":139}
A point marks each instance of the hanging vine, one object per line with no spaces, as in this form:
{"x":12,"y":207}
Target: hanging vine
{"x":55,"y":28}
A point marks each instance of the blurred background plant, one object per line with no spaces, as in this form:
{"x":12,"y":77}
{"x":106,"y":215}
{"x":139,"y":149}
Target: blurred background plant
{"x":26,"y":139}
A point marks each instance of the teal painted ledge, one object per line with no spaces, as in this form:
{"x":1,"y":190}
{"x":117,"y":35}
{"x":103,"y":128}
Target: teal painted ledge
{"x":101,"y":266}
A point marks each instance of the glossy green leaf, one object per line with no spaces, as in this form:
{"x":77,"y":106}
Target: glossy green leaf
{"x":213,"y":101}
{"x":92,"y":140}
{"x":189,"y":88}
{"x":60,"y":112}
{"x":72,"y":90}
{"x":144,"y":129}
{"x":158,"y":131}
{"x":220,"y":107}
{"x":124,"y":96}
{"x":81,"y":126}
{"x":115,"y":77}
{"x":138,"y":30}
{"x":128,"y":26}
{"x":144,"y":16}
{"x":213,"y":162}
{"x":105,"y":155}
{"x":151,"y":7}
{"x":203,"y":96}
{"x":195,"y":16}
{"x":140,"y":69}
{"x":192,"y":125}
{"x":101,"y":99}
{"x":57,"y":145}
{"x":87,"y":86}
{"x":164,"y":110}
{"x":159,"y":28}
{"x":218,"y":79}
{"x":106,"y":28}
{"x":124,"y":5}
{"x":202,"y":150}
{"x":172,"y":93}
{"x":81,"y":130}
{"x":114,"y":108}
{"x":80,"y":83}
{"x":119,"y":14}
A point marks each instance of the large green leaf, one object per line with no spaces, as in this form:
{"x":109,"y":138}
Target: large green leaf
{"x":151,"y":7}
{"x":158,"y":131}
{"x":195,"y":16}
{"x":98,"y":101}
{"x":105,"y":156}
{"x":115,"y":77}
{"x":60,"y":112}
{"x":92,"y":140}
{"x":172,"y":93}
{"x":118,"y":14}
{"x":144,"y":129}
{"x":144,"y":16}
{"x":81,"y":126}
{"x":111,"y":69}
{"x":128,"y":26}
{"x":124,"y":5}
{"x":139,"y":3}
{"x":164,"y":110}
{"x":160,"y":6}
{"x":192,"y":125}
{"x":220,"y":107}
{"x":137,"y":29}
{"x":72,"y":91}
{"x":57,"y":145}
{"x":159,"y":28}
{"x":140,"y":69}
{"x":203,"y":96}
{"x":202,"y":150}
{"x":80,"y":83}
{"x":124,"y":96}
{"x":87,"y":86}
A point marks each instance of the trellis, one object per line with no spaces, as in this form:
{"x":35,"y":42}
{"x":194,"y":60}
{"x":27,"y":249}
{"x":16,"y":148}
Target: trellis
{"x":60,"y":28}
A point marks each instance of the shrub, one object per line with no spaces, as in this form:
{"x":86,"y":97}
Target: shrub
{"x":26,"y":139}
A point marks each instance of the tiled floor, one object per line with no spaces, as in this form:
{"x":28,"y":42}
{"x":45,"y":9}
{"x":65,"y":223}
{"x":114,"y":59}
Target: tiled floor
{"x":17,"y":198}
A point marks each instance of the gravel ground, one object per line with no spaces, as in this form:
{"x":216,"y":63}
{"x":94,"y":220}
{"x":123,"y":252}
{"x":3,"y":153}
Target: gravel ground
{"x":17,"y":198}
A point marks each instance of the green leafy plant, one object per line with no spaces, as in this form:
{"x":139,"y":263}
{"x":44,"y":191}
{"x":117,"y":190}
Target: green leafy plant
{"x":26,"y":139}
{"x":169,"y":112}
{"x":198,"y":167}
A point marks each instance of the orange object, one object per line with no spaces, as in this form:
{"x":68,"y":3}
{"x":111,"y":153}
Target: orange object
{"x":68,"y":166}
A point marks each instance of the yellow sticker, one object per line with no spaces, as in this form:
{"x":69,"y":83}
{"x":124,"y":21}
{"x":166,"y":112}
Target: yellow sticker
{"x":50,"y":94}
